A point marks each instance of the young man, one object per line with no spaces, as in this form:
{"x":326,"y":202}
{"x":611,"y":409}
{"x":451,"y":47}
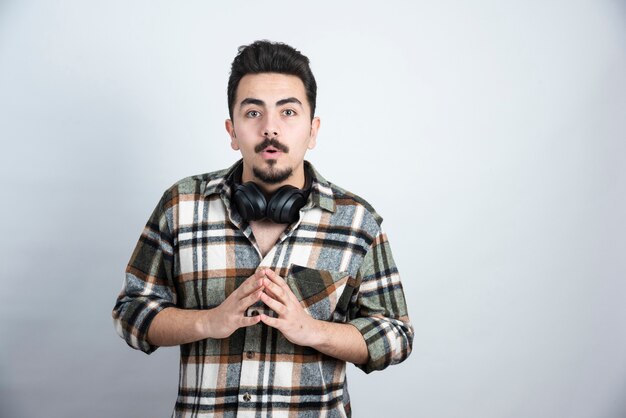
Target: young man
{"x":268,"y":276}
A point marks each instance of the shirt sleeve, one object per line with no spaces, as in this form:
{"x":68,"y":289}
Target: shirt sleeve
{"x":380,"y":311}
{"x":148,"y":284}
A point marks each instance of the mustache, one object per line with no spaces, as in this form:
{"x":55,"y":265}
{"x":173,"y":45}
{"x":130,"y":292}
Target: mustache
{"x":271,"y":142}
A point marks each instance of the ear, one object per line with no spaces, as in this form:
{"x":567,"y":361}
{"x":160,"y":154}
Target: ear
{"x":230,"y":128}
{"x":315,"y":126}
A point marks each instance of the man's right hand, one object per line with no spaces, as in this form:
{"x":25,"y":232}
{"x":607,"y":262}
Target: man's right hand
{"x":229,"y":316}
{"x":176,"y":326}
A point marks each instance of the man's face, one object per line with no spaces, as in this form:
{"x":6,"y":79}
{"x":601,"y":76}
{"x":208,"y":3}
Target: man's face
{"x":272,"y":128}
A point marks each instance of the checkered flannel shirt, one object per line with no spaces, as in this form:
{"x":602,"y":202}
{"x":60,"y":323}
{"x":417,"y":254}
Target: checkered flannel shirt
{"x":196,"y":249}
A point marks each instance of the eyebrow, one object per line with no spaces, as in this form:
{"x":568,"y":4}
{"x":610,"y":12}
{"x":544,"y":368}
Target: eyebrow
{"x":258,"y":102}
{"x":288,"y":100}
{"x":249,"y":100}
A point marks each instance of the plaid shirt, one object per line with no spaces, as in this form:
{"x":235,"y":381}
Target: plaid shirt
{"x":196,"y":249}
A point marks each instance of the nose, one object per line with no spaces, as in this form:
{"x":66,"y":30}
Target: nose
{"x":270,"y":128}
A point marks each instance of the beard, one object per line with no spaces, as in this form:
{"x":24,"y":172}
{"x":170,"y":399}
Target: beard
{"x":271,"y":175}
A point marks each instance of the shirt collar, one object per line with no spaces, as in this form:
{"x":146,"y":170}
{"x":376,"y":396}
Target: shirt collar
{"x":321,"y":191}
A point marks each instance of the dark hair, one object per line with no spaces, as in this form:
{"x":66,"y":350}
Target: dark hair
{"x":271,"y":57}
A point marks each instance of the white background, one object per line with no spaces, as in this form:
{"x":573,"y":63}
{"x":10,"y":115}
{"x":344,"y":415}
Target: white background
{"x":490,"y":135}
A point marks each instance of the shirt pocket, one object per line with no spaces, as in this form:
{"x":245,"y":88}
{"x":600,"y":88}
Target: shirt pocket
{"x":325,"y":295}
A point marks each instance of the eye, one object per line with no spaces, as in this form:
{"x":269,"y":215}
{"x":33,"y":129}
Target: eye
{"x":289,"y":112}
{"x":253,"y":114}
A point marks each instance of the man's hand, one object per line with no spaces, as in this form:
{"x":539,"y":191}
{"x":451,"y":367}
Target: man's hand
{"x":175,"y":326}
{"x":293,"y":321}
{"x":342,"y":341}
{"x":229,"y":316}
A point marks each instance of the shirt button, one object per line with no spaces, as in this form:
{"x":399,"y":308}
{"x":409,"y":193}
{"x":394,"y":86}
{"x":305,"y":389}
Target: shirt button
{"x":249,"y":354}
{"x":247,"y":397}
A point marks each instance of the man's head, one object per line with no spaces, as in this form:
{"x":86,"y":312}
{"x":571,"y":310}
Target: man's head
{"x":271,"y":114}
{"x":271,"y":57}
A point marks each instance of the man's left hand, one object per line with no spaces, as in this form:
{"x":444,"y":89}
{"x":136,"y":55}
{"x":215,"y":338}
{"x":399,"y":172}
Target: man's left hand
{"x":293,"y":321}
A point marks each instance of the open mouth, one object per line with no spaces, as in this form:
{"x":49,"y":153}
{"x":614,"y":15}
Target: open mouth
{"x":271,"y":152}
{"x":271,"y":147}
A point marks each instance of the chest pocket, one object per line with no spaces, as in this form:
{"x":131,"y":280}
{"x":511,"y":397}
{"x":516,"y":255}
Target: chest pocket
{"x":325,"y":295}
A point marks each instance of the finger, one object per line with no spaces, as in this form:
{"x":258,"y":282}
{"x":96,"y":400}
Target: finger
{"x":279,"y":287}
{"x":251,"y":284}
{"x":269,"y":321}
{"x":273,"y":304}
{"x":249,"y":300}
{"x":270,"y":274}
{"x":247,"y":321}
{"x":276,"y":291}
{"x":275,"y":278}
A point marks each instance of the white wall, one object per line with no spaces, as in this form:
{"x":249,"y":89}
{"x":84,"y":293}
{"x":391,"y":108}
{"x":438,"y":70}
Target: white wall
{"x":490,"y":135}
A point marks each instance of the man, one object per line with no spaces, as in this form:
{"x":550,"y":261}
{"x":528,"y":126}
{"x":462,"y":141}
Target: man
{"x":269,"y":277}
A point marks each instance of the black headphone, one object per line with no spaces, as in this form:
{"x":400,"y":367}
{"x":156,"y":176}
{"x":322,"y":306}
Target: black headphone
{"x":283,"y":207}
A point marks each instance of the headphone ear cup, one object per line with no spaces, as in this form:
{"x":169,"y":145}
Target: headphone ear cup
{"x":285,"y":204}
{"x":250,"y":201}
